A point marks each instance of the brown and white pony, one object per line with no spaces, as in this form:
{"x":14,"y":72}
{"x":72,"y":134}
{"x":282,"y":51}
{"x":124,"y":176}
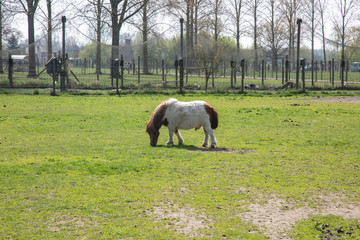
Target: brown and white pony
{"x":183,"y":115}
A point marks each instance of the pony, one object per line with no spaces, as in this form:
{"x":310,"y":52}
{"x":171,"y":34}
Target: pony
{"x":183,"y":115}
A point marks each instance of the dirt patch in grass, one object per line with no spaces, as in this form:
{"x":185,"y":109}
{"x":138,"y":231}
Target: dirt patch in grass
{"x":355,"y":99}
{"x":276,"y":216}
{"x":64,"y":222}
{"x":221,"y":150}
{"x":181,"y":219}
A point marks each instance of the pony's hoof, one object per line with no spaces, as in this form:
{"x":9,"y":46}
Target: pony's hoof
{"x":213,"y":146}
{"x":170,"y":143}
{"x":204,"y":145}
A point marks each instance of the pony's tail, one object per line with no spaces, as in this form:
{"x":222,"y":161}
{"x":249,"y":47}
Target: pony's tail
{"x":214,"y":118}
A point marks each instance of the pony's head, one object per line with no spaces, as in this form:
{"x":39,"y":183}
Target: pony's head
{"x":155,"y":123}
{"x":153,"y":133}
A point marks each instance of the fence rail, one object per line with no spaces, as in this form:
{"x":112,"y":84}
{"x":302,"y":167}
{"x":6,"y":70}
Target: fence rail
{"x":81,"y":74}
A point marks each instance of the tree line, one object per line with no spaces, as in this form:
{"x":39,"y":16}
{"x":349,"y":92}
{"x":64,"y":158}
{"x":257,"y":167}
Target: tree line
{"x":270,"y":24}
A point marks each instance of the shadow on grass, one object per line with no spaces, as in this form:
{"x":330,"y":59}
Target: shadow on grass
{"x":193,"y":148}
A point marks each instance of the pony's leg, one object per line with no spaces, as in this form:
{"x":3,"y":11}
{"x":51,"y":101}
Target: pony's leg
{"x":206,"y":140}
{"x":180,"y":139}
{"x":212,"y":136}
{"x":171,"y":134}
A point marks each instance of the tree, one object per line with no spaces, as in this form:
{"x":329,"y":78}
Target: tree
{"x":146,"y":24}
{"x":236,"y":16}
{"x":254,"y":11}
{"x":128,"y":8}
{"x":13,"y":41}
{"x":29,"y":8}
{"x":342,"y":20}
{"x":197,"y":18}
{"x":311,"y":23}
{"x":1,"y":34}
{"x":289,"y":9}
{"x":90,"y":52}
{"x":49,"y":22}
{"x":210,"y":54}
{"x":217,"y":6}
{"x":93,"y":13}
{"x":353,"y":51}
{"x":273,"y":34}
{"x":322,"y":9}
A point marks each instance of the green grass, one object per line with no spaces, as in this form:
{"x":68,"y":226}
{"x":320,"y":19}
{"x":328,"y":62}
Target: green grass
{"x":81,"y":167}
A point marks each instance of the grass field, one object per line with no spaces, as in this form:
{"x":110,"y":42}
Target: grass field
{"x":81,"y":167}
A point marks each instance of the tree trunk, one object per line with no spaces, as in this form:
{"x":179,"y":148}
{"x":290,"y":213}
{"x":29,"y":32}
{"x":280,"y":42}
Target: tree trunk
{"x":1,"y":34}
{"x":115,"y":34}
{"x":49,"y":30}
{"x":31,"y":41}
{"x":255,"y":36}
{"x":98,"y":38}
{"x":145,"y":39}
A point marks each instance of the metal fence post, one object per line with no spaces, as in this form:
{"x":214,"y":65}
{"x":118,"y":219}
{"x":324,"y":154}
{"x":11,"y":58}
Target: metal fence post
{"x":181,"y":64}
{"x":122,"y":70}
{"x":262,"y":72}
{"x":287,"y":77}
{"x":176,"y":70}
{"x":232,"y":65}
{"x":235,"y":64}
{"x":303,"y":63}
{"x":242,"y":64}
{"x":316,"y":72}
{"x":342,"y":73}
{"x":282,"y":71}
{"x":333,"y":71}
{"x":298,"y":22}
{"x":139,"y":70}
{"x":54,"y":77}
{"x":117,"y":75}
{"x":10,"y":72}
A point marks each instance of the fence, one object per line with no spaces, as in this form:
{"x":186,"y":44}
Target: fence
{"x":82,"y":74}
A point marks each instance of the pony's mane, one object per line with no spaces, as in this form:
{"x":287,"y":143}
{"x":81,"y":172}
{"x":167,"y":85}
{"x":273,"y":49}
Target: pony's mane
{"x":155,"y":121}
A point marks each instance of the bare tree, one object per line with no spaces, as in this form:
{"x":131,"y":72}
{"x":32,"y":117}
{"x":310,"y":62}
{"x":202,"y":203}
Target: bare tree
{"x":197,"y":18}
{"x":310,"y":15}
{"x":120,"y":12}
{"x":49,"y":25}
{"x":210,"y":54}
{"x":49,"y":21}
{"x":273,"y":34}
{"x":343,"y":18}
{"x":29,"y":8}
{"x":146,"y":24}
{"x":216,"y":22}
{"x":236,"y":14}
{"x":1,"y":34}
{"x":289,"y":9}
{"x":254,"y":11}
{"x":93,"y":15}
{"x":322,"y":6}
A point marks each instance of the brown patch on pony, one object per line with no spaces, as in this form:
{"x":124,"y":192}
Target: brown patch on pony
{"x":213,"y":115}
{"x":156,"y":121}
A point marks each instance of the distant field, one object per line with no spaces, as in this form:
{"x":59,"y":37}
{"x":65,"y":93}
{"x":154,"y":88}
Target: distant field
{"x":81,"y":167}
